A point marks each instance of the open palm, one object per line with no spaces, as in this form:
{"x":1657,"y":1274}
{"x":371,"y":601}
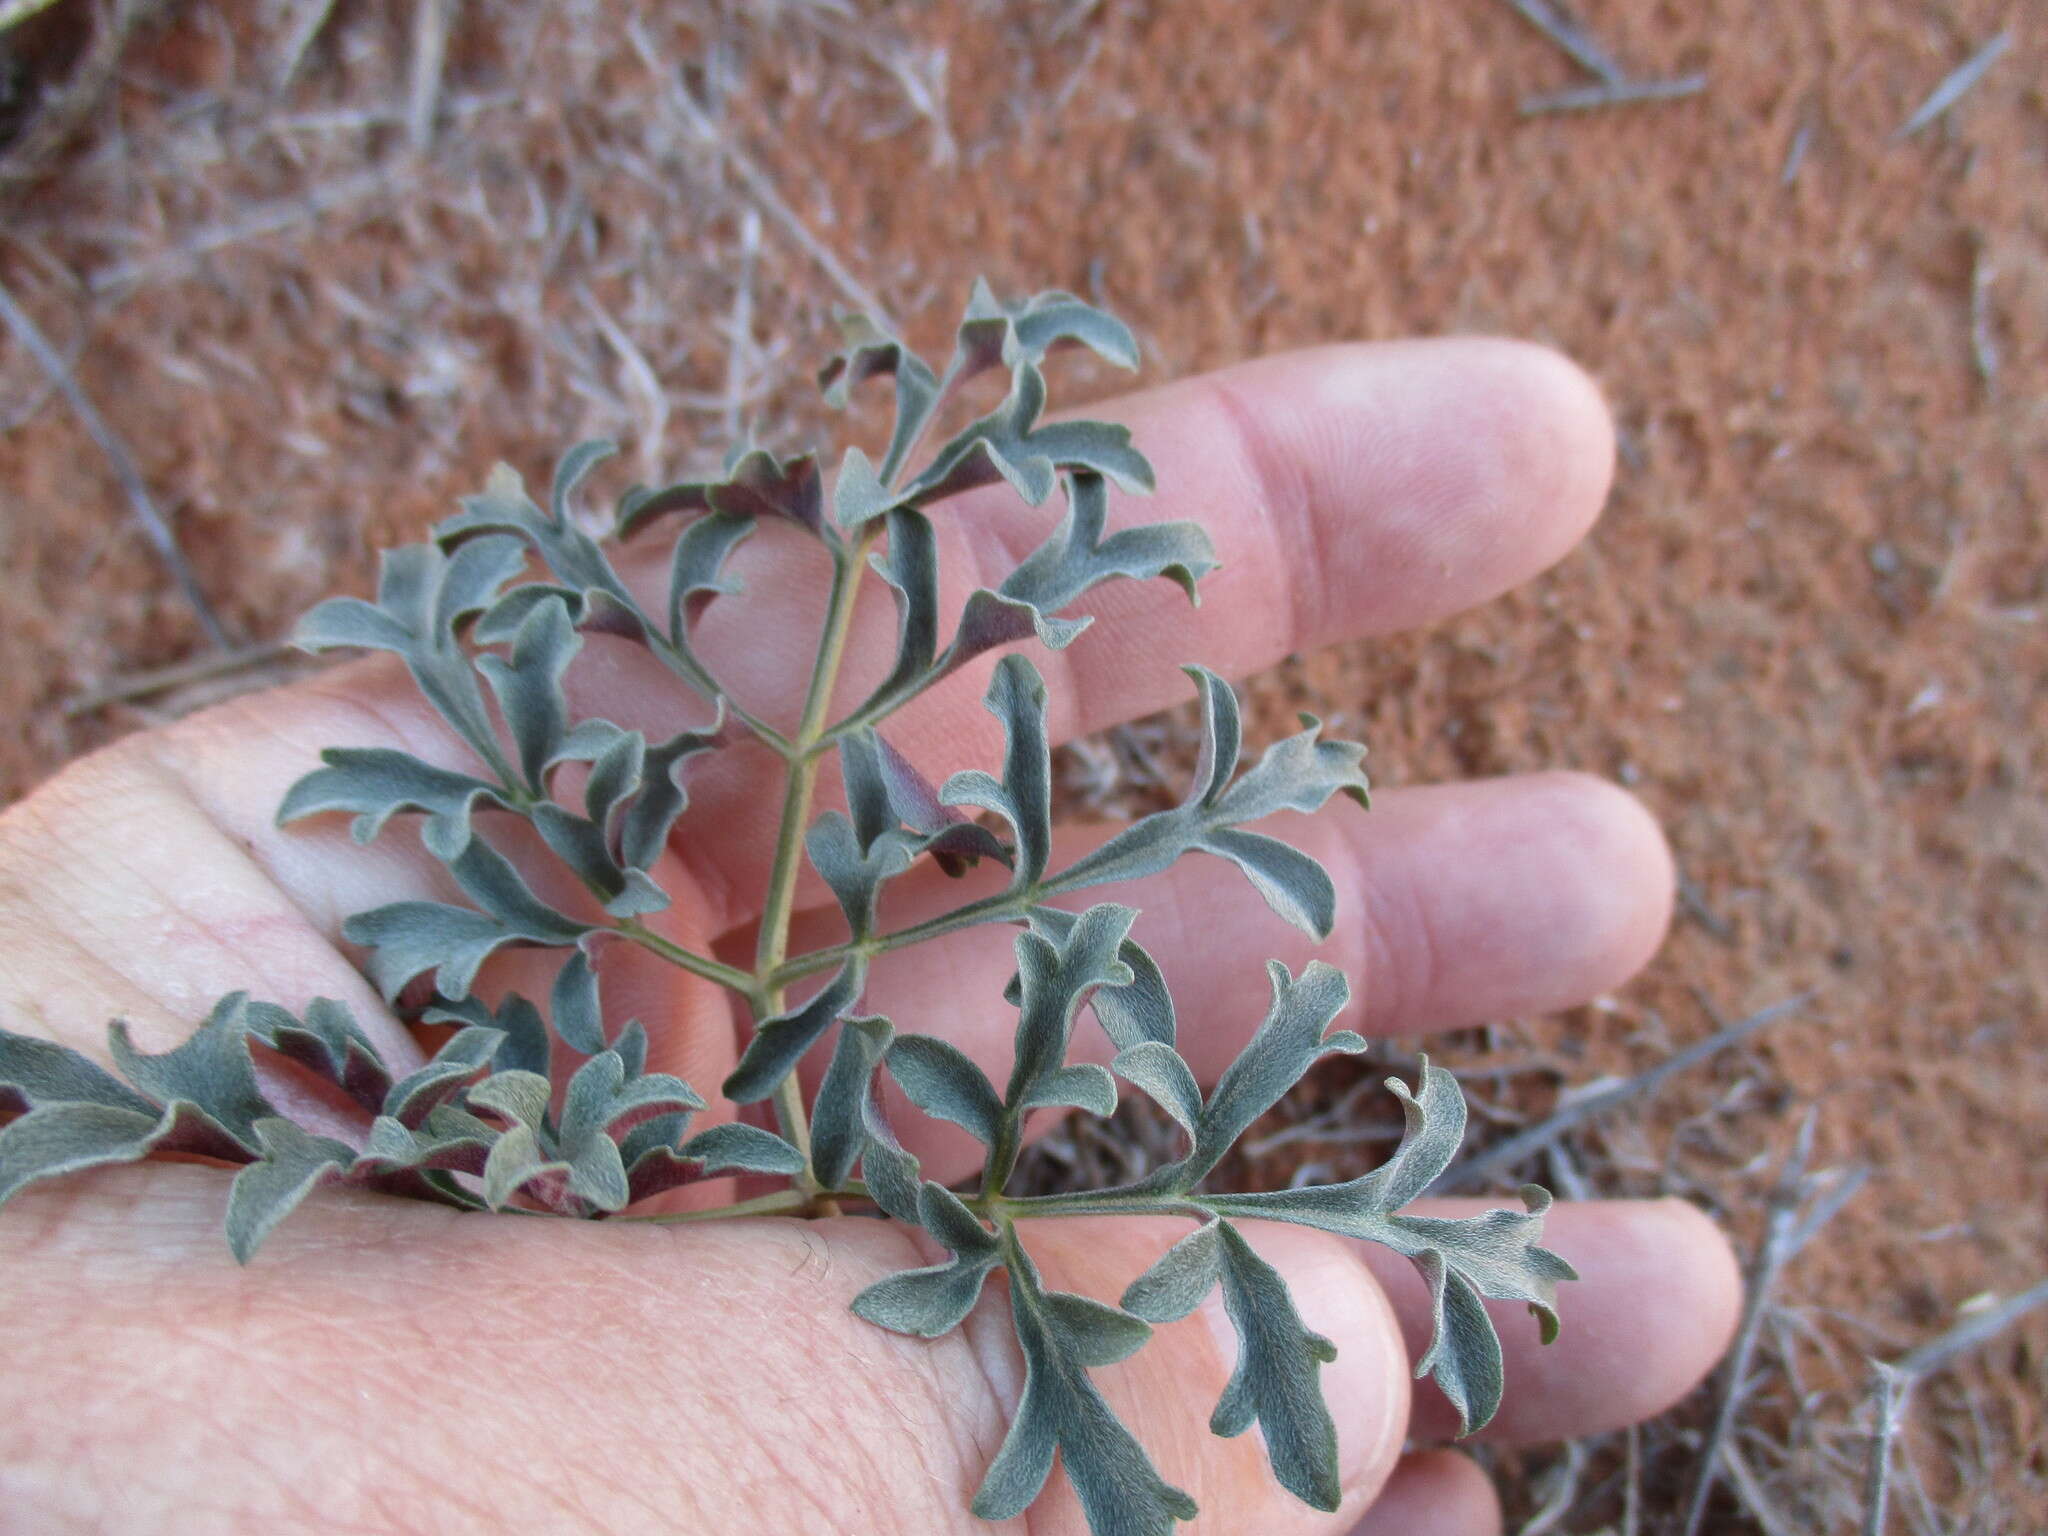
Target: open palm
{"x":387,"y":1366}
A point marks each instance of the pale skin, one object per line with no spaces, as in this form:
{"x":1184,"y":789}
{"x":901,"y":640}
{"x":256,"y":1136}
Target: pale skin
{"x":385,"y":1366}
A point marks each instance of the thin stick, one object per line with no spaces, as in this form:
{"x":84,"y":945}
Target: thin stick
{"x":739,"y":355}
{"x":1977,"y":1328}
{"x":140,"y":685}
{"x":1983,"y":342}
{"x":122,"y":462}
{"x":1795,"y":157}
{"x":264,"y":219}
{"x":1952,"y":89}
{"x":1613,"y":93}
{"x":429,"y":55}
{"x":763,"y":192}
{"x":1787,"y":1229}
{"x":312,"y":20}
{"x":642,"y":379}
{"x":1890,"y":1387}
{"x":1570,"y":37}
{"x":1481,"y":1166}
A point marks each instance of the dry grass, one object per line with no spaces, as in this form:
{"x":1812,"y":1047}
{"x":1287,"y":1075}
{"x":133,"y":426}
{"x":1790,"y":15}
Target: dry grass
{"x":373,"y":251}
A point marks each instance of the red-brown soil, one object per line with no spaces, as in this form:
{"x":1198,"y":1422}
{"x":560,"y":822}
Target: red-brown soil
{"x":1812,"y":631}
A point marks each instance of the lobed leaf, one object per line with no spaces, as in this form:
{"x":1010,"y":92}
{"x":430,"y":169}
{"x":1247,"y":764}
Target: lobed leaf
{"x":1055,"y":978}
{"x":327,"y":1043}
{"x":377,"y":783}
{"x":927,"y":1303}
{"x":210,"y":1070}
{"x":1129,"y":1014}
{"x":1300,"y":773}
{"x":1061,"y":1412}
{"x":293,"y":1165}
{"x":1275,"y":1383}
{"x":528,"y":685}
{"x":37,"y":1071}
{"x":940,"y":1080}
{"x":869,"y":353}
{"x":780,"y":1042}
{"x":424,"y":596}
{"x":838,"y":1133}
{"x":1023,"y":795}
{"x":1289,"y":1040}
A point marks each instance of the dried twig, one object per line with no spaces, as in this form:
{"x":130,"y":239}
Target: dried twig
{"x":119,"y":460}
{"x":1795,"y":1215}
{"x":762,"y":190}
{"x":141,"y":685}
{"x":1795,"y":156}
{"x":1694,"y":902}
{"x":1973,"y":1330}
{"x":1613,"y":93}
{"x":642,"y":379}
{"x":1983,"y":341}
{"x":310,"y":22}
{"x":739,"y":357}
{"x":264,"y":219}
{"x":1481,"y":1166}
{"x":1571,"y":37}
{"x":1952,"y":89}
{"x":429,"y":54}
{"x":1889,"y":1386}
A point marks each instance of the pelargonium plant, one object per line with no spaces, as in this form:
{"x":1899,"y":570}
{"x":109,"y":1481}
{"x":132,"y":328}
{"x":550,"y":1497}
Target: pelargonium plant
{"x":544,"y":1110}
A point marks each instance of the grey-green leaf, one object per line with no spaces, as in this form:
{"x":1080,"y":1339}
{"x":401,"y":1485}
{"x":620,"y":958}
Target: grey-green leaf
{"x":529,"y":687}
{"x":327,"y":1042}
{"x":1055,"y":978}
{"x":37,"y":1071}
{"x":927,"y":1303}
{"x":1158,"y":1069}
{"x":1061,"y":1412}
{"x":377,"y":783}
{"x":837,"y":1133}
{"x":1275,"y":1383}
{"x":1180,"y":1278}
{"x":1130,"y":1014}
{"x":463,"y":1058}
{"x":1299,"y":773}
{"x":940,"y":1080}
{"x":1288,"y":1042}
{"x":210,"y":1069}
{"x":294,"y":1164}
{"x":738,"y":1148}
{"x":1023,"y":796}
{"x":61,"y":1138}
{"x":780,"y":1042}
{"x":574,"y":1008}
{"x":1464,"y":1352}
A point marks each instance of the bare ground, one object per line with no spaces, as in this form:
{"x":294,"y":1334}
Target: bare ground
{"x":317,"y":301}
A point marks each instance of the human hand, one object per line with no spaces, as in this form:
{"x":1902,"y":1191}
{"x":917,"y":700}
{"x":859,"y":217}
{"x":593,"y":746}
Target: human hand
{"x":391,"y":1366}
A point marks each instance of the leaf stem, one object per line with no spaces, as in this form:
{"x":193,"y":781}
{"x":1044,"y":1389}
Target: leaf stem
{"x":1092,"y":1202}
{"x":804,"y":756}
{"x":1007,"y":906}
{"x":781,"y":1202}
{"x":637,"y":932}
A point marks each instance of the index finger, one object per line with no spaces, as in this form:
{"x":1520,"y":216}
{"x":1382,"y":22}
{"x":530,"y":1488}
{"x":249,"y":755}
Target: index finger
{"x":1350,"y":490}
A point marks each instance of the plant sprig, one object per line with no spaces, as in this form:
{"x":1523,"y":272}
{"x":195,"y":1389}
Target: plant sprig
{"x":548,"y":1111}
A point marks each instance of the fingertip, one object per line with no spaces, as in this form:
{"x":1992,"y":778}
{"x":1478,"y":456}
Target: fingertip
{"x":1558,"y":434}
{"x":1522,"y":448}
{"x":1620,"y":910}
{"x":1434,"y":1493}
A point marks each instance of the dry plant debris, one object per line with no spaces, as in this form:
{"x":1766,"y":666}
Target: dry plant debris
{"x":1811,"y":630}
